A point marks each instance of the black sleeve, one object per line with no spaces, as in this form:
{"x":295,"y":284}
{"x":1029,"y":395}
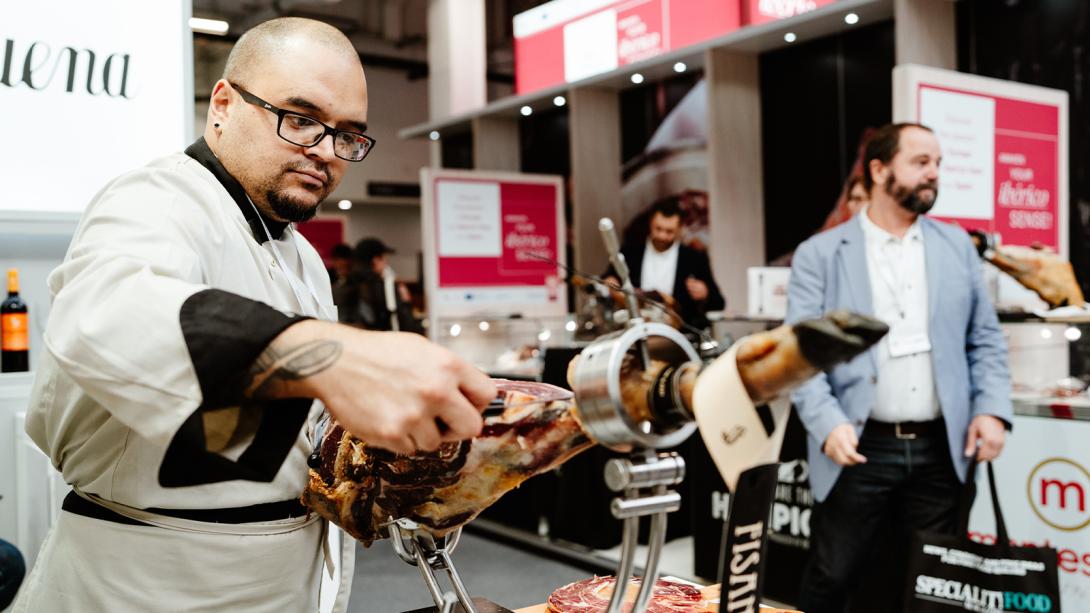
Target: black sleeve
{"x":225,"y":333}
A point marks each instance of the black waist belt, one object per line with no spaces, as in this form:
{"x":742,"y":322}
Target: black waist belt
{"x":906,"y":429}
{"x":265,"y":512}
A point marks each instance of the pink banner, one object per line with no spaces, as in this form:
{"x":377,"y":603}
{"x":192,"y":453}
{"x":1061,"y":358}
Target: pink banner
{"x":1022,"y":142}
{"x":565,"y":41}
{"x":323,"y":234}
{"x":527,"y":238}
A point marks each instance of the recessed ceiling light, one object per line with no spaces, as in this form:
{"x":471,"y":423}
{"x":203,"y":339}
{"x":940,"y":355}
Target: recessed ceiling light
{"x":637,"y":78}
{"x":526,"y":110}
{"x":560,"y":101}
{"x":456,"y":329}
{"x":344,"y":205}
{"x":434,"y":135}
{"x":680,"y":67}
{"x":851,"y":19}
{"x":790,"y":37}
{"x":484,"y":326}
{"x":218,"y":27}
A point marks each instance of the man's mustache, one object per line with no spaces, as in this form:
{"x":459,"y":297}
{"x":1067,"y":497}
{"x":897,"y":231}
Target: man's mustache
{"x":322,"y":169}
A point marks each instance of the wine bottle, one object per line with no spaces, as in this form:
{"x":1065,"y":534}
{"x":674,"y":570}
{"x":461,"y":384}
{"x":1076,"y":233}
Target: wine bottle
{"x":14,"y":329}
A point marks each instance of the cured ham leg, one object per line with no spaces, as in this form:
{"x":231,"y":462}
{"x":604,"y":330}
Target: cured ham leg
{"x":1044,"y":272}
{"x":770,"y":363}
{"x":362,"y":488}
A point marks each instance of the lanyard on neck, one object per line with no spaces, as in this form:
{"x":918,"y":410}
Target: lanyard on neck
{"x":314,"y":309}
{"x":892,"y":270}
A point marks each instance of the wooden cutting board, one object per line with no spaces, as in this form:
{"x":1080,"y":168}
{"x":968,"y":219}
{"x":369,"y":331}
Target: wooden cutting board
{"x":710,"y":592}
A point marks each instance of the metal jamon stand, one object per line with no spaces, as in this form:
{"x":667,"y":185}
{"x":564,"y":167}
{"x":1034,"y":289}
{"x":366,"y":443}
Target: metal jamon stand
{"x":645,"y":477}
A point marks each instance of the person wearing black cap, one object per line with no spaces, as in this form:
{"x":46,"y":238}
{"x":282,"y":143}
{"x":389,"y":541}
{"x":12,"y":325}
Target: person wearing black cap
{"x":376,"y":290}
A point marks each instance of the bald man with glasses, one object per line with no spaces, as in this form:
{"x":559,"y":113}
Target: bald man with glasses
{"x":191,"y":348}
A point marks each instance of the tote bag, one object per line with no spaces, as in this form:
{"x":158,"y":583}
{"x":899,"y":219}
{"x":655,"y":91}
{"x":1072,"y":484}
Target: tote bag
{"x":952,"y":573}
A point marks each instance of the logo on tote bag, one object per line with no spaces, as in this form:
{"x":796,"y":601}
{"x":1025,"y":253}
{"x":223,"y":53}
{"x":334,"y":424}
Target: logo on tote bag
{"x":975,"y":598}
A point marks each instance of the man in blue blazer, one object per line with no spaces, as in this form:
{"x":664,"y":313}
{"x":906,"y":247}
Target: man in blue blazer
{"x":891,"y":432}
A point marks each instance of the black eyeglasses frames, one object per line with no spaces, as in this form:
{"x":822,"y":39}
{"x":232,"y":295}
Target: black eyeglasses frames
{"x":305,"y":131}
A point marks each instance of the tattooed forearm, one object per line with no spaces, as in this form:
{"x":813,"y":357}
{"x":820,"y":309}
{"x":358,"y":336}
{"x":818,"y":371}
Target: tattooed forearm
{"x":273,"y":369}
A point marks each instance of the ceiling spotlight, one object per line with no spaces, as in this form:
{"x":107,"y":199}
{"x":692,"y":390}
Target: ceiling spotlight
{"x":455,"y":330}
{"x":1046,"y":333}
{"x":544,"y":335}
{"x":1073,"y":334}
{"x":560,"y":101}
{"x":484,"y":326}
{"x":434,"y":135}
{"x":851,"y":19}
{"x":571,"y":325}
{"x":208,"y":26}
{"x":526,"y":110}
{"x":637,"y":78}
{"x":680,"y":67}
{"x":790,"y":37}
{"x":344,"y":205}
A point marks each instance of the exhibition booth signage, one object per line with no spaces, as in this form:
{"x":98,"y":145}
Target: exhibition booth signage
{"x":494,"y":244}
{"x":568,"y":40}
{"x":1004,"y":146}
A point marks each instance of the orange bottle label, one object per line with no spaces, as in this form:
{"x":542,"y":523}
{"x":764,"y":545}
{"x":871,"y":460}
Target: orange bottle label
{"x":15,"y":332}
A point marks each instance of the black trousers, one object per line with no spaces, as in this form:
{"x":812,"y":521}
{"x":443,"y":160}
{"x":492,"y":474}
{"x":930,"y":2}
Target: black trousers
{"x":859,"y":534}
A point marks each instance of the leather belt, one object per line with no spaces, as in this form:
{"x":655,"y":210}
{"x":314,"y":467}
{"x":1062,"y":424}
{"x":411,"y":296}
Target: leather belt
{"x":265,"y":512}
{"x":904,"y":430}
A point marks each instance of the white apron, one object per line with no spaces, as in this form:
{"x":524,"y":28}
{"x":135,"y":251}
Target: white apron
{"x":86,"y":566}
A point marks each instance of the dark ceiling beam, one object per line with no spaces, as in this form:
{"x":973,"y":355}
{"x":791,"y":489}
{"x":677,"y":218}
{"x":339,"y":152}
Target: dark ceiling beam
{"x":414,"y":69}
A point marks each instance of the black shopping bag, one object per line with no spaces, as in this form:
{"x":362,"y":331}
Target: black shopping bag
{"x":952,"y":573}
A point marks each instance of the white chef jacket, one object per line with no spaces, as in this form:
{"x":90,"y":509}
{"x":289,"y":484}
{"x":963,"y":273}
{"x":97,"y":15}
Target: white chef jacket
{"x":898,"y":279}
{"x":169,"y":290}
{"x":117,"y":381}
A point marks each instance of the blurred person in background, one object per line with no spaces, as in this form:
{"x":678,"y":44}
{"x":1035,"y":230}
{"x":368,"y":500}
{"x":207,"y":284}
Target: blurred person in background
{"x":679,"y":273}
{"x":375,"y":284}
{"x":340,"y":276}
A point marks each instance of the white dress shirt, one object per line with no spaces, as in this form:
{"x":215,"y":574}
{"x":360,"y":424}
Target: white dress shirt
{"x":659,"y":269}
{"x":898,"y":279}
